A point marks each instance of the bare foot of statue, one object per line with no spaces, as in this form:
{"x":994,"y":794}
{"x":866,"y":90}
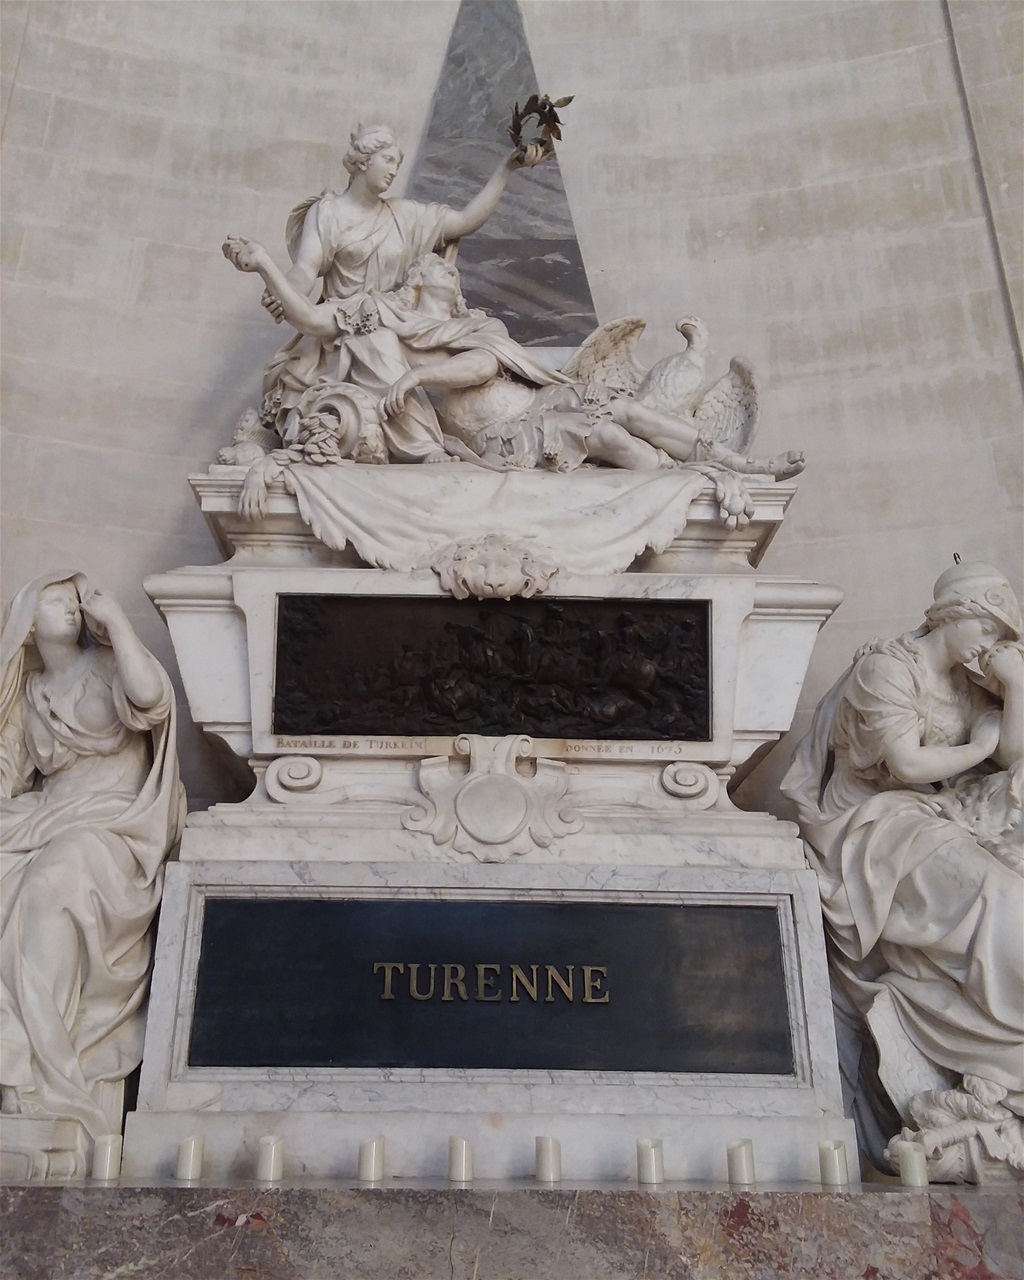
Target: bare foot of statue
{"x":781,"y":465}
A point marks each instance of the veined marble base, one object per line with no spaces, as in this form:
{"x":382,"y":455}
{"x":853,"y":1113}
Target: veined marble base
{"x":615,"y":826}
{"x":505,"y":1232}
{"x":324,"y":1113}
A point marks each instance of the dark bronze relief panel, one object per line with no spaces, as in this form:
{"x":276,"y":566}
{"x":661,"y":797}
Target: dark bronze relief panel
{"x":620,"y":670}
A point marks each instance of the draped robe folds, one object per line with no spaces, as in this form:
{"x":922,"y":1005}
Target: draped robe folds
{"x":375,"y":361}
{"x":914,"y":903}
{"x":550,"y":431}
{"x":358,"y":259}
{"x":81,"y":873}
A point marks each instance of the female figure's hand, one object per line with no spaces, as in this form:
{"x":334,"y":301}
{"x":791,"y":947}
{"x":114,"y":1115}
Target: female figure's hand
{"x":529,"y":157}
{"x":100,"y":607}
{"x":986,"y":730}
{"x":245,"y":254}
{"x":249,"y":255}
{"x":141,"y":674}
{"x":1006,"y":663}
{"x":272,"y":303}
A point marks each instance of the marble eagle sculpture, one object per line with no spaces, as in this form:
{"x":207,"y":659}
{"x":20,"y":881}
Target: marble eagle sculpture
{"x":726,"y":411}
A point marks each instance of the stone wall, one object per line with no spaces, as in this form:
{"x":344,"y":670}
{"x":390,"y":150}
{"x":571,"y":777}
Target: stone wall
{"x":833,"y":185}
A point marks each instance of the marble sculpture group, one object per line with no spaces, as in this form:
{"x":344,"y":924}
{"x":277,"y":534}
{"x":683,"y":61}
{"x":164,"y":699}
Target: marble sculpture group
{"x":908,"y":786}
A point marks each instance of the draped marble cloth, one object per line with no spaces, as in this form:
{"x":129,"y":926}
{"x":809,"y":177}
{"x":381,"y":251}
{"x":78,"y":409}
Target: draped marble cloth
{"x":913,"y":901}
{"x":399,"y":517}
{"x":87,"y":845}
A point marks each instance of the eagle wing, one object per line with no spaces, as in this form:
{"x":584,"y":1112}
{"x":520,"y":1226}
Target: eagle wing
{"x":728,"y":411}
{"x":607,"y":356}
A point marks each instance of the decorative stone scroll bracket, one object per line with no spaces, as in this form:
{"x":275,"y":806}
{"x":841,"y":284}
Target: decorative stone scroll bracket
{"x":695,"y":784}
{"x":292,"y":779}
{"x":492,"y":812}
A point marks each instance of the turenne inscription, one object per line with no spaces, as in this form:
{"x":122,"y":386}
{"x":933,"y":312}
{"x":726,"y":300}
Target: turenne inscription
{"x":490,"y":982}
{"x":481,"y":984}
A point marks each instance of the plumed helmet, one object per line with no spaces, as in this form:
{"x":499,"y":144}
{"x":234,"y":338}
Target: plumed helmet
{"x":983,"y":587}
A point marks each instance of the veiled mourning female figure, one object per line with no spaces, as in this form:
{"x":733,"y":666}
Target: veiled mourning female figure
{"x":92,"y":806}
{"x":909,"y":795}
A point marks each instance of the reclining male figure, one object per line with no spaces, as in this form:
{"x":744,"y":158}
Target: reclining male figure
{"x":494,"y":401}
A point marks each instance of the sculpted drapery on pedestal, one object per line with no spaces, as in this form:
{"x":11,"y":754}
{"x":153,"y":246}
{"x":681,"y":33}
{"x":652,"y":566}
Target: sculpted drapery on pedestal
{"x":909,"y":795}
{"x":92,"y":806}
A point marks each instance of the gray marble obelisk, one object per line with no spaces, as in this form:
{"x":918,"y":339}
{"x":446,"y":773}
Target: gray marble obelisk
{"x":524,"y":266}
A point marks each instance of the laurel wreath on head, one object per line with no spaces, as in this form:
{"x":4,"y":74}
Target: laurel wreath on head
{"x":548,"y":122}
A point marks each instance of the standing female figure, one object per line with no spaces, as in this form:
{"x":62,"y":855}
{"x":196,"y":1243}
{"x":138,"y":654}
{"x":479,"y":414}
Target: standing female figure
{"x":92,"y":806}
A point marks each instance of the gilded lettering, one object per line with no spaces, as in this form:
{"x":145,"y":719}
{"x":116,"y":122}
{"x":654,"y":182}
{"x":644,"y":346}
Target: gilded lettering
{"x":565,"y":984}
{"x":414,"y":991}
{"x":525,"y":982}
{"x":519,"y":979}
{"x":454,"y":976}
{"x":592,"y":984}
{"x":484,"y":981}
{"x":389,"y":968}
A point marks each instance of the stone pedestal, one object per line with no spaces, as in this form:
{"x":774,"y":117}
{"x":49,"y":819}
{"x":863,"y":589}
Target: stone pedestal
{"x":589,"y":820}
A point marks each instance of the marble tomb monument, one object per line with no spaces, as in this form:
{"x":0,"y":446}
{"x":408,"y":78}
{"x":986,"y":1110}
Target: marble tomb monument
{"x":492,"y":634}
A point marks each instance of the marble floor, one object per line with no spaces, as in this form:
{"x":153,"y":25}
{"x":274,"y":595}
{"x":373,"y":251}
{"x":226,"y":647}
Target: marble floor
{"x":427,"y":1231}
